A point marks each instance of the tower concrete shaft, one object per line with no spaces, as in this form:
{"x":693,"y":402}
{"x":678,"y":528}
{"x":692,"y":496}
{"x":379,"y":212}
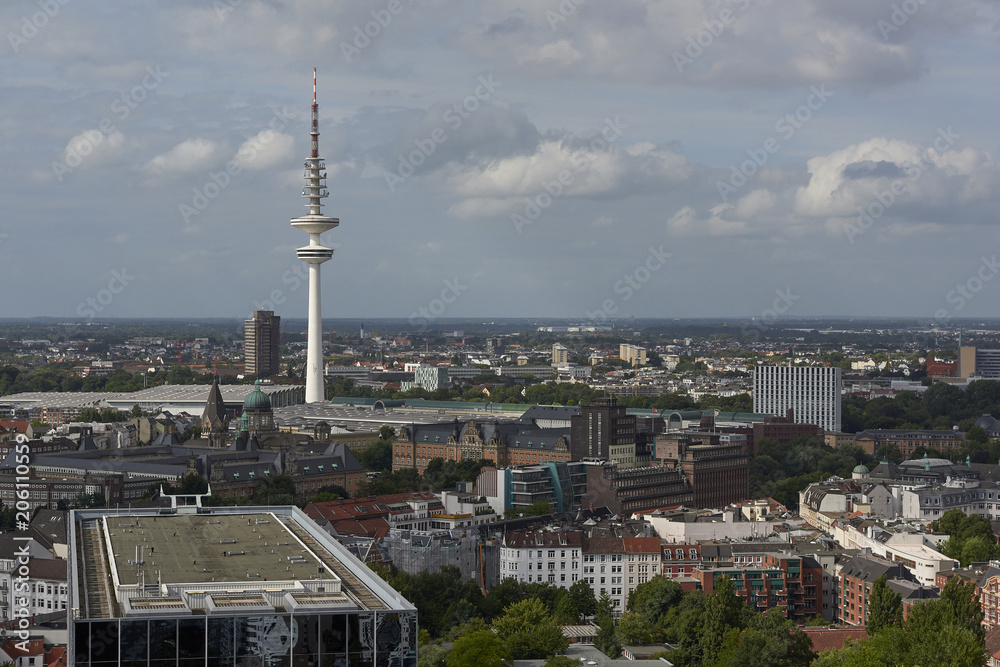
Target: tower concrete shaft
{"x":315,"y":224}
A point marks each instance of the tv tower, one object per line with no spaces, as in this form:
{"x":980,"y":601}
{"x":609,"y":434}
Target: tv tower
{"x":314,"y":254}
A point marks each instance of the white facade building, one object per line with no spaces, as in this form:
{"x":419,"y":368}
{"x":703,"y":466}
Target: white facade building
{"x":812,"y":392}
{"x":542,"y":557}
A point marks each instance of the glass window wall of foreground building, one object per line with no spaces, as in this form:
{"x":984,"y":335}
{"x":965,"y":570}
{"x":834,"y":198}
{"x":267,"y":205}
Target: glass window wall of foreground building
{"x":362,"y":639}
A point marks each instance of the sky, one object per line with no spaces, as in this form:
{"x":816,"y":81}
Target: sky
{"x":504,"y":158}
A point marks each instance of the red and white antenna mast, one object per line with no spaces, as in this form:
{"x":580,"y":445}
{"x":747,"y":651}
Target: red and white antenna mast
{"x":315,"y":120}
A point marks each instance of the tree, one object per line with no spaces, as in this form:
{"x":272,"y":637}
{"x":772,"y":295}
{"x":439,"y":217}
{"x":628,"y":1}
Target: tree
{"x":478,"y":649}
{"x":633,"y":629}
{"x":529,"y":631}
{"x":377,"y":456}
{"x":885,"y":607}
{"x":561,"y":661}
{"x":653,"y":598}
{"x":724,"y":611}
{"x":769,"y":640}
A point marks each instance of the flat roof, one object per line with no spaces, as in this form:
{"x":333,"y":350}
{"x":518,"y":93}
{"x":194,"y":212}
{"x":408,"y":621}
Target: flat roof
{"x":204,"y":548}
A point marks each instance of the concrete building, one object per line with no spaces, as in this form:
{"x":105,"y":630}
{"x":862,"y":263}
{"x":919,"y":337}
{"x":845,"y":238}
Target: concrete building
{"x":603,"y":431}
{"x":429,"y":378}
{"x":977,"y":363}
{"x":261,"y":337}
{"x":909,"y":440}
{"x":226,"y":586}
{"x":633,"y":354}
{"x":563,"y":485}
{"x":560,"y":355}
{"x":813,"y":392}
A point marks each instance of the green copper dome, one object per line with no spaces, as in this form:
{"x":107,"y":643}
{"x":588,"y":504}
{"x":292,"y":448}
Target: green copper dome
{"x":256,"y":399}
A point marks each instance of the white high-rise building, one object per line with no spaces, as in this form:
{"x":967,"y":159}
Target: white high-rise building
{"x":315,"y":223}
{"x":812,"y":392}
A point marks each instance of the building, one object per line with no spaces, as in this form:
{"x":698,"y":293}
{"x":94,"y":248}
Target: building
{"x":429,"y":378}
{"x":856,"y":580}
{"x":226,"y":586}
{"x":628,"y":490}
{"x":779,"y":580}
{"x":604,"y":432}
{"x":909,"y":440}
{"x":813,"y":392}
{"x":315,"y":224}
{"x":633,"y":354}
{"x":562,"y":485}
{"x":542,"y":557}
{"x":506,"y":444}
{"x":560,"y":355}
{"x":261,"y":337}
{"x":718,"y":474}
{"x":977,"y":363}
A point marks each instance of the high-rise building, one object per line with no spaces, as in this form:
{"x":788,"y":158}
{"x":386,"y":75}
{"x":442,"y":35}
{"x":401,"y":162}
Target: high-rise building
{"x":560,"y":355}
{"x":975,"y":362}
{"x":314,"y":254}
{"x":604,"y":432}
{"x":261,"y":335}
{"x":811,"y":392}
{"x":633,"y":354}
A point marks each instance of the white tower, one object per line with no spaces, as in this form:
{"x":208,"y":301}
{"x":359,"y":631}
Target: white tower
{"x":314,"y":254}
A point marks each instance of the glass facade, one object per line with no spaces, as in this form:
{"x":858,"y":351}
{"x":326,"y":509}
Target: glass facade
{"x":360,"y":639}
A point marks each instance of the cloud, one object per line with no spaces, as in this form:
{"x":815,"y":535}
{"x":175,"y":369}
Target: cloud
{"x":191,"y":155}
{"x":265,"y":150}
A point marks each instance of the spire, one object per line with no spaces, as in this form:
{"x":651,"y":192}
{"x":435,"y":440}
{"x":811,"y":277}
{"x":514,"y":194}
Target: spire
{"x":315,"y":120}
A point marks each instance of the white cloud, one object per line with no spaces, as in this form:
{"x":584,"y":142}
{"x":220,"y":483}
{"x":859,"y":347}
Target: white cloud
{"x":265,"y":150}
{"x":191,"y":155}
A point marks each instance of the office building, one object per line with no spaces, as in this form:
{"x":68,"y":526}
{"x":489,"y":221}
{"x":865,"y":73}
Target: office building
{"x":633,"y":354}
{"x":812,"y":392}
{"x":977,"y":363}
{"x":192,"y":585}
{"x":560,"y":355}
{"x":603,"y":432}
{"x":261,"y":336}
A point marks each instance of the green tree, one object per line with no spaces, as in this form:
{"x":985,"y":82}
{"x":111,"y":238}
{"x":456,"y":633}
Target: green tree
{"x":377,"y":456}
{"x":478,"y":649}
{"x":885,"y":607}
{"x":769,"y":640}
{"x":561,"y":661}
{"x":633,"y":629}
{"x":653,"y":598}
{"x":724,"y":611}
{"x":529,"y":631}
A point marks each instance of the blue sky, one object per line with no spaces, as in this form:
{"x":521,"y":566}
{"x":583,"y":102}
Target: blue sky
{"x":746,"y":139}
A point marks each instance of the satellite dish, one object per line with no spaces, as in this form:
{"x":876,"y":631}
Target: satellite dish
{"x":21,"y":438}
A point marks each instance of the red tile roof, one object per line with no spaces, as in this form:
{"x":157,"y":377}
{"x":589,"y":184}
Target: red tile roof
{"x":832,"y":639}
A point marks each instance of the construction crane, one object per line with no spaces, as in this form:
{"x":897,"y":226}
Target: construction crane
{"x":180,"y":349}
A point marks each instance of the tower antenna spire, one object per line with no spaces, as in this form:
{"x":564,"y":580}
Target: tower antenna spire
{"x":315,"y":224}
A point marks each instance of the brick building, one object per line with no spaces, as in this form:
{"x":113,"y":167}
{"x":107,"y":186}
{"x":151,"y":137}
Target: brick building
{"x":856,"y":580}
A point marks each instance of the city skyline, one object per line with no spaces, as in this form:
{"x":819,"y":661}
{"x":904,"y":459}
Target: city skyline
{"x":563,"y":160}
